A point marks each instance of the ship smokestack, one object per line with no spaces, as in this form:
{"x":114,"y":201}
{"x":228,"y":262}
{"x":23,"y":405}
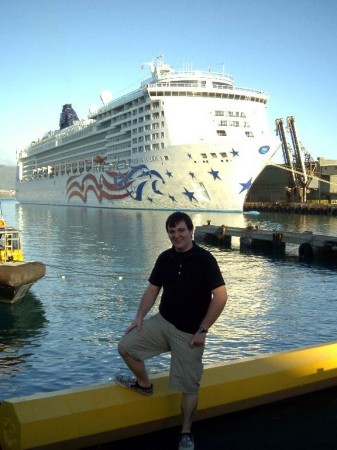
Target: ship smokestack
{"x":68,"y":116}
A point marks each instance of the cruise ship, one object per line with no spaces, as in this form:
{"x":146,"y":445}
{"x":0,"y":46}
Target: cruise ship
{"x":184,"y":140}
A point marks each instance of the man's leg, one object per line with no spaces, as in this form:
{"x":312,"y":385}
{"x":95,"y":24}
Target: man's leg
{"x":189,"y":404}
{"x":136,"y":366}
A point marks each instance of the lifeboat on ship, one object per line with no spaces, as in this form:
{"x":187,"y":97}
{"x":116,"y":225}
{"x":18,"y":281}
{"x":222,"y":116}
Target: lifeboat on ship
{"x":99,"y":159}
{"x":16,"y":275}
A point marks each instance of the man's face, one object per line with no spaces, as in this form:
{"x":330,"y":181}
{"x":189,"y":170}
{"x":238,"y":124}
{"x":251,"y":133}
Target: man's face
{"x":180,"y":236}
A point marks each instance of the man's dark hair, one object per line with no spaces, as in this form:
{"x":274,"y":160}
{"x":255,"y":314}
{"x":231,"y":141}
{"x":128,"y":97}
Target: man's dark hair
{"x":177,"y":217}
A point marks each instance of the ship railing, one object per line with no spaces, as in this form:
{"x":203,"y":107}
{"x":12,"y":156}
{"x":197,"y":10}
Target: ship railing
{"x":177,"y":84}
{"x":169,"y":84}
{"x":190,"y":73}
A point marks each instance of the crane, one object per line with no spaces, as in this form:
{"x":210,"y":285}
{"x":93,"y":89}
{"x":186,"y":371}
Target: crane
{"x":301,"y":170}
{"x":287,"y":157}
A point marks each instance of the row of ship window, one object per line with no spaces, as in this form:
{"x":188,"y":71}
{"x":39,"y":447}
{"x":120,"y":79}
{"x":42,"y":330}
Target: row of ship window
{"x":161,"y":136}
{"x":229,"y":113}
{"x":223,"y":133}
{"x":73,"y":167}
{"x":153,"y":126}
{"x":123,"y":118}
{"x":146,"y":139}
{"x":233,"y":123}
{"x":127,"y":107}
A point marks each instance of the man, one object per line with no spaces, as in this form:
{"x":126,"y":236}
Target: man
{"x":194,"y":295}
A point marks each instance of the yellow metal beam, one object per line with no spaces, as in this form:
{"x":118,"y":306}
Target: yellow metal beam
{"x":77,"y":418}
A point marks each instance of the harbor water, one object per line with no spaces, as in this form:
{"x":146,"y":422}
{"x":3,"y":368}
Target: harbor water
{"x":65,"y":332}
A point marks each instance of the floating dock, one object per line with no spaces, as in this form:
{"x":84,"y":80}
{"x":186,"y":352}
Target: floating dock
{"x":310,"y":244}
{"x":83,"y":417}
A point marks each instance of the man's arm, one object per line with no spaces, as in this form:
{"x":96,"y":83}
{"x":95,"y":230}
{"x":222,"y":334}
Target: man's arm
{"x":215,"y":308}
{"x":147,"y":301}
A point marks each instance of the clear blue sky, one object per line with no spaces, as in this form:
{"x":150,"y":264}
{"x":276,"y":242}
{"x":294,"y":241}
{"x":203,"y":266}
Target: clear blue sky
{"x":68,"y":51}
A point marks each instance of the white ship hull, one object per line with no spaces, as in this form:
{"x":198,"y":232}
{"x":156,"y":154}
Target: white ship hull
{"x":180,"y":151}
{"x":186,"y":183}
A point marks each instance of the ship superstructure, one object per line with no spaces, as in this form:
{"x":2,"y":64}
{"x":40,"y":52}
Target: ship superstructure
{"x":187,"y":140}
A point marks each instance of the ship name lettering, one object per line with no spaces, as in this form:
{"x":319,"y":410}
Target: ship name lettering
{"x":146,"y":159}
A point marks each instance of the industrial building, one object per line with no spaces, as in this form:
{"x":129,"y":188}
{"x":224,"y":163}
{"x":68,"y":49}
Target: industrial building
{"x":299,"y":179}
{"x":273,"y":184}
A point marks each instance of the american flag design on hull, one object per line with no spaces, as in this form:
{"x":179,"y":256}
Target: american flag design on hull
{"x":115,"y":185}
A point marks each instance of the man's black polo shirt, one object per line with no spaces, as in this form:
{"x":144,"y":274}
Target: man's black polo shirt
{"x":187,"y":279}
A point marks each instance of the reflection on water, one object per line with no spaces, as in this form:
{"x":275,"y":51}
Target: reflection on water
{"x":65,"y":332}
{"x":22,"y":320}
{"x":22,"y":326}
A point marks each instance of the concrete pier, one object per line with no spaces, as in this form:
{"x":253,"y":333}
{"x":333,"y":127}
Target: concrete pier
{"x":82,"y":417}
{"x":310,"y":244}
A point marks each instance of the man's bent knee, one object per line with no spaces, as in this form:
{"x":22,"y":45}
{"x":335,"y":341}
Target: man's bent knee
{"x":124,"y":354}
{"x":122,"y":351}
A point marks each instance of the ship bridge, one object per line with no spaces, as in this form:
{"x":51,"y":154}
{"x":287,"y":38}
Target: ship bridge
{"x":164,"y":75}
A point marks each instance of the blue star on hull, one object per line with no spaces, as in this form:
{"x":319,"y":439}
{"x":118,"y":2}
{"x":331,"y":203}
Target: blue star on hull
{"x":189,"y":194}
{"x":215,"y":174}
{"x":246,"y":185}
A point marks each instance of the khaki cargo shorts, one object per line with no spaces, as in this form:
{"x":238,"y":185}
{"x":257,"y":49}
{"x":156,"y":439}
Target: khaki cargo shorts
{"x":160,"y":336}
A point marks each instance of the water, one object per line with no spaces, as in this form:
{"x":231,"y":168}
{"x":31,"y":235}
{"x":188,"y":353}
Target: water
{"x":65,"y":332}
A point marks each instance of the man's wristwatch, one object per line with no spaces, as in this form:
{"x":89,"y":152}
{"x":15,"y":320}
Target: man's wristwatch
{"x":202,"y":330}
